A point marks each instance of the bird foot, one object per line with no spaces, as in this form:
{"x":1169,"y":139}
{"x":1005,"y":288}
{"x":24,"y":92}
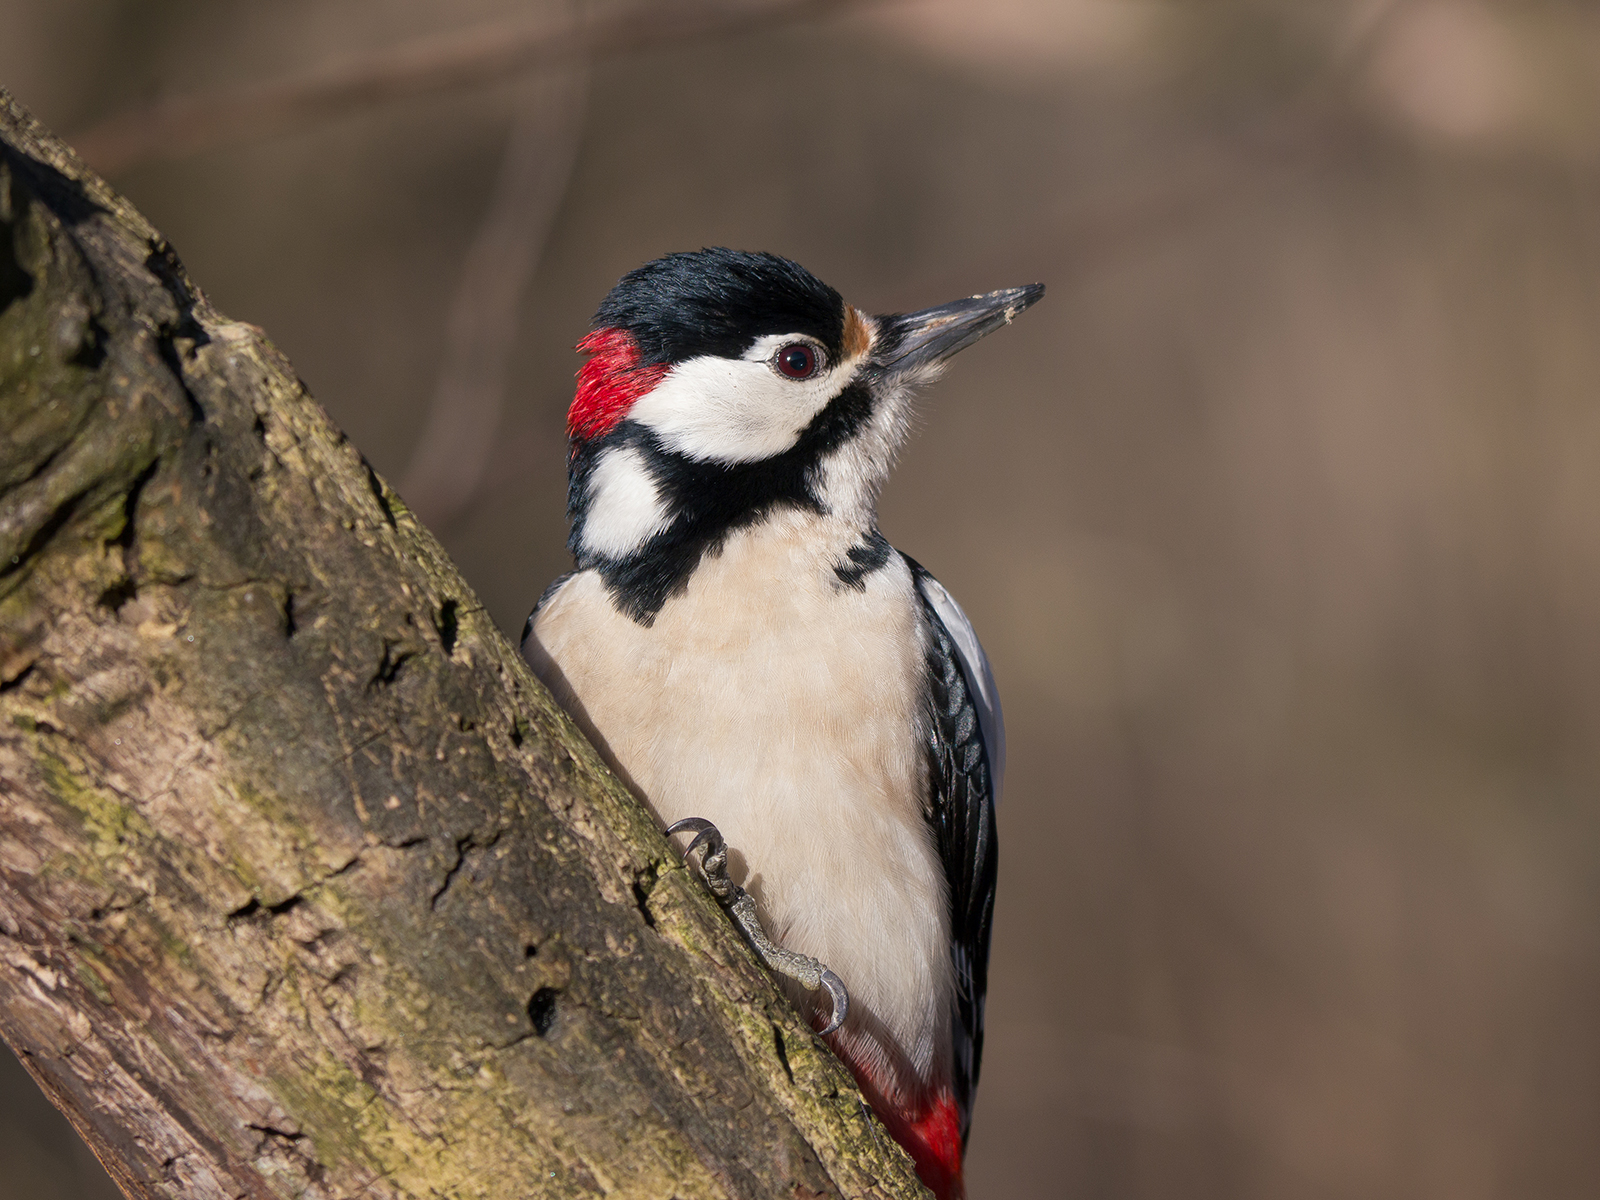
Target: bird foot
{"x":808,"y":972}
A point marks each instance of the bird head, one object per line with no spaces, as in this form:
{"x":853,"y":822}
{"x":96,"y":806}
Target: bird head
{"x":723,"y":386}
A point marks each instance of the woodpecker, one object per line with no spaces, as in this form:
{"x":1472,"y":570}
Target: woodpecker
{"x":756,"y":661}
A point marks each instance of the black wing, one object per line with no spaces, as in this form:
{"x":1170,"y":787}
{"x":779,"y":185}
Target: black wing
{"x":965,"y":745}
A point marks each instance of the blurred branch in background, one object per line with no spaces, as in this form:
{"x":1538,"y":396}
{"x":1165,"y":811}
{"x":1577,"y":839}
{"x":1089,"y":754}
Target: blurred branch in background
{"x":183,"y":125}
{"x":448,"y":463}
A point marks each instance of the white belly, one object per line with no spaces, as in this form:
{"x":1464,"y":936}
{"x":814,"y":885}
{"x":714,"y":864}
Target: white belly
{"x":783,"y":707}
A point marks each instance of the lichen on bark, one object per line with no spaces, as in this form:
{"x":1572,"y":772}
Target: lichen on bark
{"x":306,"y":888}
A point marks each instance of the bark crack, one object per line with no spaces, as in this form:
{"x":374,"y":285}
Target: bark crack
{"x":390,"y":663}
{"x":464,"y":846}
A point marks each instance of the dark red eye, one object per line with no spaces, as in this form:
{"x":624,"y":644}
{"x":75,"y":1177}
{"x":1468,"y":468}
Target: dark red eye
{"x":797,"y":361}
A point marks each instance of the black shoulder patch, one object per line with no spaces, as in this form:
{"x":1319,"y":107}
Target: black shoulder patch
{"x":865,"y":557}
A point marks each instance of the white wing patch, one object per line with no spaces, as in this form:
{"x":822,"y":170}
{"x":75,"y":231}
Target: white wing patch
{"x":980,"y":678}
{"x":625,"y":509}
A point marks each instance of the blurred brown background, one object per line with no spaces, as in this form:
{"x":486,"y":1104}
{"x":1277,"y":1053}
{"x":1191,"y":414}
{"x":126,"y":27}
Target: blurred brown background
{"x":1280,"y":517}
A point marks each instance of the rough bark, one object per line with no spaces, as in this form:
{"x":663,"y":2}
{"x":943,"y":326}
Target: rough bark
{"x":306,"y":888}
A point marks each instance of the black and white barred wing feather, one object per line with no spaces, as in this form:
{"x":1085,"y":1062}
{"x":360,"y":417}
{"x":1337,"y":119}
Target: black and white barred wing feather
{"x":966,"y":752}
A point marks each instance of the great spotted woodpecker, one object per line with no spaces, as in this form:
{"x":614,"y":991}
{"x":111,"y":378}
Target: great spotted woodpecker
{"x":756,"y":661}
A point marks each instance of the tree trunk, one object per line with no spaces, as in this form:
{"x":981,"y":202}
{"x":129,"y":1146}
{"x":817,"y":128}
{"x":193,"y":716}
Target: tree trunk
{"x":306,"y":887}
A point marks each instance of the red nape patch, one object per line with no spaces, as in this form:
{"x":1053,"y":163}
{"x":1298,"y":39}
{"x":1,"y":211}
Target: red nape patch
{"x":608,"y":383}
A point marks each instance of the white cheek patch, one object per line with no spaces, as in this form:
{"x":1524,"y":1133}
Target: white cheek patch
{"x":625,"y":509}
{"x":736,"y":410}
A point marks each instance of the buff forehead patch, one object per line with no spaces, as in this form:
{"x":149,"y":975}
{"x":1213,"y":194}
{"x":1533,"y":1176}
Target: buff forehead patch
{"x":857,"y":333}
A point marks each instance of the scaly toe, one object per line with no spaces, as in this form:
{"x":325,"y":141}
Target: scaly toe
{"x":808,"y":972}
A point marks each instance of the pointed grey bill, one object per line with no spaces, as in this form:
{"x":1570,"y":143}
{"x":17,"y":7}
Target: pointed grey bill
{"x":928,"y":337}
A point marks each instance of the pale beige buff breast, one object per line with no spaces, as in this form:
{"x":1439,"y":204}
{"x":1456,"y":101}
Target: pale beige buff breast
{"x":784,"y":706}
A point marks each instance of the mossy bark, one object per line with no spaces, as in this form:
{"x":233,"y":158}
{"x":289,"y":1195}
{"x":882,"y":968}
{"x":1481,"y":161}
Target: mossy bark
{"x":306,"y":888}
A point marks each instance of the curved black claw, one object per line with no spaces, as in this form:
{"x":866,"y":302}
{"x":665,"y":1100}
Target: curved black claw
{"x":840,"y":998}
{"x":705,"y":833}
{"x":697,"y":824}
{"x":714,"y":858}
